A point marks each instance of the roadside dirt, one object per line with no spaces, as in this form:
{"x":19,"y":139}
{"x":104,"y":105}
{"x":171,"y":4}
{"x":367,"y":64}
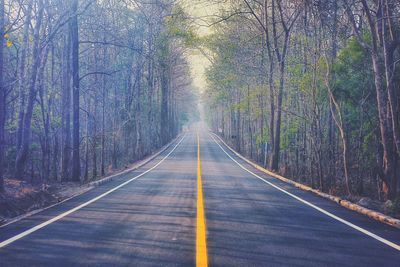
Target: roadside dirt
{"x":21,"y":197}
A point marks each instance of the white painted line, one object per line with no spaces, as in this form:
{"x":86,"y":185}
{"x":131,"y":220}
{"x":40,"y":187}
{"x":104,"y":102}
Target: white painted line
{"x":92,"y":185}
{"x":358,"y":228}
{"x":62,"y":215}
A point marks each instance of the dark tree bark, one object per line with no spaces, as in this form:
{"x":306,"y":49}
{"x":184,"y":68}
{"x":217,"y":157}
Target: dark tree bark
{"x":21,"y":72}
{"x":164,"y":105}
{"x":22,"y":154}
{"x":74,"y":31}
{"x":45,"y":143}
{"x":387,"y":132}
{"x":281,"y":53}
{"x":2,"y":98}
{"x":66,"y":110}
{"x":338,"y":118}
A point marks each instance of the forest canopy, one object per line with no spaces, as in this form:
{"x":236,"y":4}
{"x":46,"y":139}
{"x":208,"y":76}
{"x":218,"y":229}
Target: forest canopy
{"x":311,"y":89}
{"x":90,"y":86}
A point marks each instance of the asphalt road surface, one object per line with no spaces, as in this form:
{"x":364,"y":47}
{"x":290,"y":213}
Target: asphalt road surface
{"x":153,"y":216}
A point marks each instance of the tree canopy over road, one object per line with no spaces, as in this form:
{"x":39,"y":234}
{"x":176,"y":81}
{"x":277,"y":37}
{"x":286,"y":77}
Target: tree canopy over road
{"x":309,"y":89}
{"x":199,"y":133}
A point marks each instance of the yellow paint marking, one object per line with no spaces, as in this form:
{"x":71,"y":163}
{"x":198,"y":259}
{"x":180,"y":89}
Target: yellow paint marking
{"x":201,"y":246}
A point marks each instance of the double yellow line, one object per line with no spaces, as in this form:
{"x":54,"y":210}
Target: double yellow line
{"x":201,"y":245}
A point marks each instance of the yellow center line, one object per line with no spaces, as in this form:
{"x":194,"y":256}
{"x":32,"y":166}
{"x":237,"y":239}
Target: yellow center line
{"x":201,"y":246}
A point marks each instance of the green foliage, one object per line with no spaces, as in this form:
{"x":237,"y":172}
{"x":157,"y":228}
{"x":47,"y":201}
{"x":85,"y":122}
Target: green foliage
{"x":12,"y":126}
{"x":354,"y":78}
{"x":177,"y":26}
{"x":354,"y":84}
{"x":261,"y":139}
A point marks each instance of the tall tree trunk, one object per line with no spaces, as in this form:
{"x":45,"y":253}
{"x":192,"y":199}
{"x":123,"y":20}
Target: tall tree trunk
{"x":66,"y":110}
{"x":383,"y":126}
{"x":103,"y":116}
{"x":331,"y":132}
{"x":45,"y":119}
{"x":2,"y":98}
{"x":164,"y":105}
{"x":338,"y":118}
{"x":21,"y":72}
{"x":76,"y":167}
{"x":281,"y":57}
{"x":87,"y":137}
{"x":22,"y":154}
{"x":270,"y":82}
{"x":277,"y":142}
{"x":389,"y":165}
{"x":94,"y":134}
{"x":390,"y":44}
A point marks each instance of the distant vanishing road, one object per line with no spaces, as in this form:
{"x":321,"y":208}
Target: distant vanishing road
{"x":198,"y":204}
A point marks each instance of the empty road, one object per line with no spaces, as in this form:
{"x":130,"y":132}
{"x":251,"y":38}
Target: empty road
{"x":197,"y":204}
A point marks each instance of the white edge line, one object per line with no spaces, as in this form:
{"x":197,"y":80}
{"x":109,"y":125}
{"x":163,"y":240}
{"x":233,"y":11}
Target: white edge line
{"x":93,"y":184}
{"x":62,"y":215}
{"x":358,"y":228}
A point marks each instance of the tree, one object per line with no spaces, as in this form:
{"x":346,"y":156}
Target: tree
{"x":74,"y":31}
{"x":87,"y":77}
{"x":384,"y":42}
{"x":23,"y":150}
{"x":2,"y":96}
{"x":319,"y":79}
